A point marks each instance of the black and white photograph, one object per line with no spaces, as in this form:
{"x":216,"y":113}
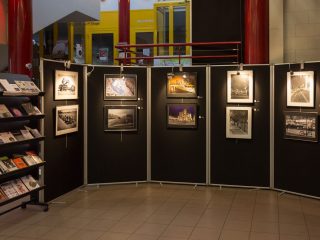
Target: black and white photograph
{"x":301,"y":126}
{"x":120,"y":118}
{"x":300,"y":89}
{"x":66,"y":85}
{"x":240,"y":86}
{"x":67,"y":119}
{"x":239,"y":122}
{"x":118,"y":87}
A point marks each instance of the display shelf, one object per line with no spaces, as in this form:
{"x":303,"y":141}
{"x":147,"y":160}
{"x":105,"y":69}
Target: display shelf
{"x":21,"y":196}
{"x":16,"y":143}
{"x":10,"y":148}
{"x":22,"y":118}
{"x":2,"y":94}
{"x":20,"y":172}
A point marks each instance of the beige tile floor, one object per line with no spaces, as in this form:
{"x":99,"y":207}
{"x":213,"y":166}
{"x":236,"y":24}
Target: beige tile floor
{"x":170,"y":212}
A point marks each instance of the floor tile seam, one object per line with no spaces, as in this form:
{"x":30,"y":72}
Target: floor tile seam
{"x":38,"y":237}
{"x":146,"y":221}
{"x":125,"y":214}
{"x":225,"y":220}
{"x":159,"y":208}
{"x":305,"y":219}
{"x":202,"y":214}
{"x":278,"y":210}
{"x":168,"y":225}
{"x":253,"y":212}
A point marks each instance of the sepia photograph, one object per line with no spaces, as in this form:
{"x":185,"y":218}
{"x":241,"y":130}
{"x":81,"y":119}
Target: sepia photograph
{"x":120,"y":118}
{"x":67,"y":119}
{"x":239,"y":122}
{"x":301,"y":126}
{"x":300,"y":89}
{"x":182,"y":115}
{"x":240,"y":87}
{"x":66,"y":85}
{"x":182,"y":85}
{"x":118,"y":87}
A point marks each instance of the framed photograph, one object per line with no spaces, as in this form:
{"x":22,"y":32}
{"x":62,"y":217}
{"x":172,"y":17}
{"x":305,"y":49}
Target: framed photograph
{"x":240,"y":87}
{"x":66,"y":85}
{"x":120,"y":118}
{"x":182,"y":115}
{"x":182,"y":85}
{"x":239,"y":122}
{"x":301,"y":126}
{"x":118,"y":87}
{"x":300,"y":89}
{"x":67,"y":119}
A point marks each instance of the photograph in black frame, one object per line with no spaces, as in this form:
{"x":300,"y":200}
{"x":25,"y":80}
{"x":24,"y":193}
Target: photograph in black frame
{"x":301,"y":126}
{"x":182,"y":115}
{"x":182,"y":85}
{"x":120,"y":87}
{"x":121,"y":118}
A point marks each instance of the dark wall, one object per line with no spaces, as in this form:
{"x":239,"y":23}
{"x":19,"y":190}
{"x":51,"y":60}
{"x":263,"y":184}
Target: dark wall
{"x":178,"y":155}
{"x":240,"y":161}
{"x":63,"y":154}
{"x":296,"y":162}
{"x":214,"y":21}
{"x":112,"y":156}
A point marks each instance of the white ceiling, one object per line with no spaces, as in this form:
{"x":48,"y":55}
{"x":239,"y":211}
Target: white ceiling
{"x":46,"y":12}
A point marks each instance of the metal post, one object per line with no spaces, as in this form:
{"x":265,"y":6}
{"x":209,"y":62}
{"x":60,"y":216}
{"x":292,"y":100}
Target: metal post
{"x":85,"y":125}
{"x":149,"y":72}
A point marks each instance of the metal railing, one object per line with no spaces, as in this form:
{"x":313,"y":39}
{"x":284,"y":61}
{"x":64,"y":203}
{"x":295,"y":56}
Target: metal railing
{"x":229,"y":51}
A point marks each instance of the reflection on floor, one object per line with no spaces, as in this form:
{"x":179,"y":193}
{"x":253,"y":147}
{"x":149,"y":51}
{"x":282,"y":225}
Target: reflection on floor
{"x":170,"y":212}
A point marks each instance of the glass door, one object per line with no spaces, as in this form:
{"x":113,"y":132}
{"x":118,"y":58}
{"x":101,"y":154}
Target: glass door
{"x":179,"y":29}
{"x":163,"y":29}
{"x":102,"y":49}
{"x":172,"y":26}
{"x":144,"y":38}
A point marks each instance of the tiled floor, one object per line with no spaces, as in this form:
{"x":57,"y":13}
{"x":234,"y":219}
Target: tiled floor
{"x":170,"y":212}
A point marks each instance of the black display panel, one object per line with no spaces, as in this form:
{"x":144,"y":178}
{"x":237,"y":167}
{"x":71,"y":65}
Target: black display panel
{"x":240,"y":161}
{"x":296,"y":162}
{"x":63,"y":154}
{"x":216,"y":21}
{"x":116,"y":156}
{"x":178,"y":154}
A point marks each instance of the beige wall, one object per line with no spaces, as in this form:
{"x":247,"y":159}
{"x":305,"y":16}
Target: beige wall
{"x":276,"y":31}
{"x":301,"y":30}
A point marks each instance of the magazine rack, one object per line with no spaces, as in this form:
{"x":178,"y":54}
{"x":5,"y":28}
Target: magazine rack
{"x":7,"y":149}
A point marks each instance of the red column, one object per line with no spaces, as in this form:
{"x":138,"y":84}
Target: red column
{"x":20,"y":35}
{"x":124,"y":21}
{"x":3,"y":30}
{"x":256,"y":44}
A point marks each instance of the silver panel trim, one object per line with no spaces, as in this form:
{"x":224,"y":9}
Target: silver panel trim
{"x":295,"y":193}
{"x":178,"y":183}
{"x":115,"y":183}
{"x":272,"y":91}
{"x":208,"y":125}
{"x":238,"y":186}
{"x":149,"y":107}
{"x":85,"y":125}
{"x":41,"y":180}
